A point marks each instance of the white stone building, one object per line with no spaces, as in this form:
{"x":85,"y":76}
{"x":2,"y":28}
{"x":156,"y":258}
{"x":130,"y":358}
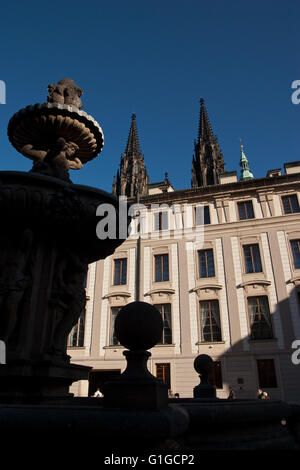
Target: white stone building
{"x":221,"y":261}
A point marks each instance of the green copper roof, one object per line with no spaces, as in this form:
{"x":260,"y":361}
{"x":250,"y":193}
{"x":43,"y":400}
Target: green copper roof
{"x":245,"y":171}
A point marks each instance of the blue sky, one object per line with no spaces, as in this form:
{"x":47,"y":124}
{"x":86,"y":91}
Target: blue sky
{"x":157,"y":59}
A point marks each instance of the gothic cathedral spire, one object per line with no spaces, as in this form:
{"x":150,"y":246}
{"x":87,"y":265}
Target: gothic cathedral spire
{"x":208,"y":160}
{"x":132,"y":179}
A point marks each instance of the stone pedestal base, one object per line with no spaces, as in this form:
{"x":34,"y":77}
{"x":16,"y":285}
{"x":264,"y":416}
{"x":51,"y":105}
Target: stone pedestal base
{"x":142,"y":394}
{"x":136,"y":387}
{"x":25,"y":381}
{"x":204,"y":391}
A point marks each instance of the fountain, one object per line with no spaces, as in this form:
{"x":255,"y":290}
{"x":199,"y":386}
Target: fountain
{"x":48,"y":238}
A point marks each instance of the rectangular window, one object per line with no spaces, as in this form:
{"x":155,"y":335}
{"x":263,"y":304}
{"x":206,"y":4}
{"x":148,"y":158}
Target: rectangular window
{"x":266,"y":373}
{"x":215,"y":377}
{"x":290,"y":204}
{"x":252,"y":258}
{"x":245,"y":209}
{"x":202,"y":215}
{"x":113,"y":341}
{"x":260,"y":318}
{"x":295,"y":245}
{"x":165,"y":310}
{"x":210,"y":324}
{"x":76,"y":336}
{"x":161,"y":221}
{"x":163,"y":373}
{"x":161,"y":268}
{"x":120,"y":274}
{"x":206,"y":263}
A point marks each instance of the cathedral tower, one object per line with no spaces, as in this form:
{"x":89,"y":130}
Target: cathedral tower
{"x":208,"y":160}
{"x":132,"y":179}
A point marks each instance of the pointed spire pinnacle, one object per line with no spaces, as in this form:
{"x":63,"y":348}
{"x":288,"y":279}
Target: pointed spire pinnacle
{"x":133,"y":147}
{"x":132,"y":179}
{"x":244,"y":164}
{"x":205,"y":131}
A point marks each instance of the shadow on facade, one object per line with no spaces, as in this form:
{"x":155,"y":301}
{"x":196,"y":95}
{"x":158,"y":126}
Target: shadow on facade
{"x":267,"y":358}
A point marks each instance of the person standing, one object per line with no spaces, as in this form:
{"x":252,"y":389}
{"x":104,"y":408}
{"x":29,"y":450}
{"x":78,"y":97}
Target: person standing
{"x":261,"y":395}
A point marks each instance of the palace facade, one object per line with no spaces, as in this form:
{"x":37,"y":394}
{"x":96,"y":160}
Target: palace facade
{"x":220,"y":261}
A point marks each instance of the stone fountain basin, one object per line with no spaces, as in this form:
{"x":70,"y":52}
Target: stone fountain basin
{"x":56,"y":211}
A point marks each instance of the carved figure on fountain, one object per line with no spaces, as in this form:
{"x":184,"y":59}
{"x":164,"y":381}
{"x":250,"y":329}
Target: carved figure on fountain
{"x":15,"y":279}
{"x":68,"y":299}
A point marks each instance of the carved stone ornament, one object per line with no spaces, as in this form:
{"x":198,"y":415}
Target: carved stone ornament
{"x":207,"y":289}
{"x":56,"y":135}
{"x":255,"y":284}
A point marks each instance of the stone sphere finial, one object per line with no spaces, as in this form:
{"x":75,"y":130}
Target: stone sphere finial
{"x":138,"y":326}
{"x":203,"y":364}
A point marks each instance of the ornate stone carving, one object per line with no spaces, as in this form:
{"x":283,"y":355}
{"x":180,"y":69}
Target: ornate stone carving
{"x":65,"y":92}
{"x":14,"y":280}
{"x":57,"y":161}
{"x":56,"y":135}
{"x":68,"y":298}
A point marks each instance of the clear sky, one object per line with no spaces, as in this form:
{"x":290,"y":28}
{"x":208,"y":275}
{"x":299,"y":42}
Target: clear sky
{"x":156,"y":59}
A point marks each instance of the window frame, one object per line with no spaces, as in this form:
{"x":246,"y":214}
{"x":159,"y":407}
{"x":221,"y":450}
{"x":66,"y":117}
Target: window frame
{"x":216,"y":378}
{"x":207,"y":208}
{"x":288,"y":196}
{"x":162,"y":255}
{"x":111,"y":335}
{"x":251,"y":335}
{"x":262,"y":376}
{"x":78,"y":331}
{"x":245,"y":202}
{"x":121,"y":271}
{"x":251,"y":245}
{"x":167,"y":366}
{"x":292,"y":252}
{"x":201,"y":334}
{"x":160,"y":215}
{"x":205,"y":251}
{"x":162,"y":312}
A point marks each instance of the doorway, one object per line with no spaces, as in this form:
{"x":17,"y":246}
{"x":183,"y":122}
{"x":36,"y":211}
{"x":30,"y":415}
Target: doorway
{"x":97,"y":379}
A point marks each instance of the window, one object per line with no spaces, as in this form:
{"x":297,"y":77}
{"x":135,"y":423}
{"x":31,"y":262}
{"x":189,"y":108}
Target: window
{"x":252,"y":258}
{"x":163,"y":373}
{"x":165,"y":310}
{"x":260,"y":318}
{"x":113,"y":341}
{"x":202,"y":215}
{"x":266,"y":373}
{"x":161,"y":221}
{"x":290,"y":204}
{"x":161,"y":268}
{"x":295,"y":245}
{"x":245,"y":210}
{"x":210,"y":321}
{"x":120,"y":274}
{"x":206,"y":263}
{"x":76,"y":336}
{"x":215,"y":377}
